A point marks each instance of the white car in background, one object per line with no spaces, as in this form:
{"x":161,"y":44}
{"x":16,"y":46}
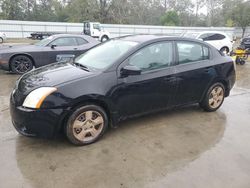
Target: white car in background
{"x":2,"y":37}
{"x":219,"y":40}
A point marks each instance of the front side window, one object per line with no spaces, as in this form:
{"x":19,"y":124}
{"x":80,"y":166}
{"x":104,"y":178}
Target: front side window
{"x":191,"y":52}
{"x":155,"y":56}
{"x":64,"y":41}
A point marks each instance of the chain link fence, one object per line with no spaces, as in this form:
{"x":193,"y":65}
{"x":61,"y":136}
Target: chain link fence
{"x":23,"y":29}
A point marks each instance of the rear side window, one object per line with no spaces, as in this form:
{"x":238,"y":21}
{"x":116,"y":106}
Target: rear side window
{"x":213,"y":36}
{"x":191,"y":52}
{"x":81,"y":41}
{"x":64,"y":41}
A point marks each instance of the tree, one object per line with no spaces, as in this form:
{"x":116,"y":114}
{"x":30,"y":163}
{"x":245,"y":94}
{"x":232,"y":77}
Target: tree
{"x":171,"y":18}
{"x":241,"y":15}
{"x":13,"y":9}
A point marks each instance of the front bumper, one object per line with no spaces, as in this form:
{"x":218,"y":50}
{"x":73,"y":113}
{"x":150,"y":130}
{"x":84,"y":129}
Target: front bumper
{"x":4,"y":65}
{"x":42,"y":123}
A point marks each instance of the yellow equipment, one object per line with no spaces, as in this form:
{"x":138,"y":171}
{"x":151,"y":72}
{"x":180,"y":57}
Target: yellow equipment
{"x":240,"y":55}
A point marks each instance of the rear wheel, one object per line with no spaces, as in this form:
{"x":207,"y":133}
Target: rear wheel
{"x":21,"y":64}
{"x":1,"y":40}
{"x":224,"y":50}
{"x":213,"y":98}
{"x":104,"y":38}
{"x":86,"y":125}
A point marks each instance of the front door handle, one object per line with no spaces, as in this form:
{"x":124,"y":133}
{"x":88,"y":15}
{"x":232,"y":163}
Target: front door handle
{"x":207,"y":69}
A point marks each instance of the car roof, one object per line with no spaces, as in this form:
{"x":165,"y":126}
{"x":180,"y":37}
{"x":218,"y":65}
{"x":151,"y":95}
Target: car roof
{"x":141,"y":38}
{"x":144,"y":38}
{"x":67,"y":35}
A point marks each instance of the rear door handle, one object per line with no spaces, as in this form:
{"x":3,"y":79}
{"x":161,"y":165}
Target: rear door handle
{"x":169,"y":78}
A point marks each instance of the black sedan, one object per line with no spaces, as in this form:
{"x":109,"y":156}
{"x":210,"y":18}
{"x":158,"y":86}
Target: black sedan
{"x":245,"y":42}
{"x":119,"y":79}
{"x":22,"y":58}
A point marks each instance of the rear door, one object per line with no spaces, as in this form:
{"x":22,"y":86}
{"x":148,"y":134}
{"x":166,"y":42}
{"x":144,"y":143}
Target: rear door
{"x":154,"y":88}
{"x":194,"y":71}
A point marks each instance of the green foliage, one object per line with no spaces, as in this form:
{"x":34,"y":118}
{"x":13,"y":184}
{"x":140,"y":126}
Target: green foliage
{"x":171,"y":18}
{"x":241,"y":15}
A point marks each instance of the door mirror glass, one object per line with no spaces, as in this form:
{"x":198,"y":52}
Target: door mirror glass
{"x":130,"y":70}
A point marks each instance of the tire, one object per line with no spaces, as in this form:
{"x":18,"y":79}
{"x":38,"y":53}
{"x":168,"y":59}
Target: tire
{"x":224,"y":50}
{"x":215,"y":93}
{"x":86,"y":125}
{"x":242,"y":62}
{"x":21,"y":64}
{"x":104,"y":38}
{"x":1,"y":40}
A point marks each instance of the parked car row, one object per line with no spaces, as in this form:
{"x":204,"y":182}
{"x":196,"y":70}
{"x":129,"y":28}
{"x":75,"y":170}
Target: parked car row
{"x":119,"y":79}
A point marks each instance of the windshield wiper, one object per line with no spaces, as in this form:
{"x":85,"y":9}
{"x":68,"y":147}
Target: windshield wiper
{"x":81,"y":66}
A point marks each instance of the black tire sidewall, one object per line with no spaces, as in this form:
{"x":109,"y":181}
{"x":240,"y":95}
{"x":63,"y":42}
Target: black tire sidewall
{"x":224,"y":49}
{"x":205,"y":102}
{"x":18,"y":56}
{"x":69,"y":130}
{"x":1,"y":40}
{"x":104,"y":37}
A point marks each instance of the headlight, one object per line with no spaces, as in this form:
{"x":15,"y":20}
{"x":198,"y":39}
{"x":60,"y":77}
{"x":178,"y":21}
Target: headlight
{"x":36,"y":97}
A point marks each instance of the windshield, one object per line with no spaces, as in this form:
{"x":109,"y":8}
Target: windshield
{"x":44,"y":42}
{"x":190,"y":35}
{"x":105,"y":54}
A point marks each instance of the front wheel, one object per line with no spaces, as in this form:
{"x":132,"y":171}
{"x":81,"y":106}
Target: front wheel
{"x":21,"y":64}
{"x":1,"y":40}
{"x":213,"y":98}
{"x":86,"y":125}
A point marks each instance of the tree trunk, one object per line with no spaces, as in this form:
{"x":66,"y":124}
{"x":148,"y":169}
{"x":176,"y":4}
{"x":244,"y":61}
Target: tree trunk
{"x":243,"y":31}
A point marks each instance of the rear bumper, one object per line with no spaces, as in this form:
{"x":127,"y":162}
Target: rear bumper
{"x":42,"y":123}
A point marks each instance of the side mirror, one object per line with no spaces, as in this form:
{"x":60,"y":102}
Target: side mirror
{"x":130,"y":70}
{"x":53,"y":46}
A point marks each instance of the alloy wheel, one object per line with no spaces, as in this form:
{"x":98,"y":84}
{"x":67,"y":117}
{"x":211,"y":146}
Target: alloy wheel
{"x":88,"y":126}
{"x":216,"y":97}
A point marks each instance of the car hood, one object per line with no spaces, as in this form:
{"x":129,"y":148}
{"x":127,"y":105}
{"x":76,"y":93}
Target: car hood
{"x":51,"y":75}
{"x":20,"y":48}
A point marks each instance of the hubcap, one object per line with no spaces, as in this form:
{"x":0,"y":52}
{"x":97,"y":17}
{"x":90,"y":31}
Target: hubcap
{"x":88,"y":125}
{"x":22,"y":64}
{"x":216,"y":97}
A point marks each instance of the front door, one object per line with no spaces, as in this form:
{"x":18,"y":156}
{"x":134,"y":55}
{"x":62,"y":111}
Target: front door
{"x":154,"y":88}
{"x":63,"y":46}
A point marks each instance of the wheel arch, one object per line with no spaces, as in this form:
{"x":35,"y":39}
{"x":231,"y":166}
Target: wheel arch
{"x":24,"y":54}
{"x":98,"y":102}
{"x":218,"y":80}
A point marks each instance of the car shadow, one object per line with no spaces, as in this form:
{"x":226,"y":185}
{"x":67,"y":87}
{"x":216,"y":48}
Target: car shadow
{"x":140,"y":150}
